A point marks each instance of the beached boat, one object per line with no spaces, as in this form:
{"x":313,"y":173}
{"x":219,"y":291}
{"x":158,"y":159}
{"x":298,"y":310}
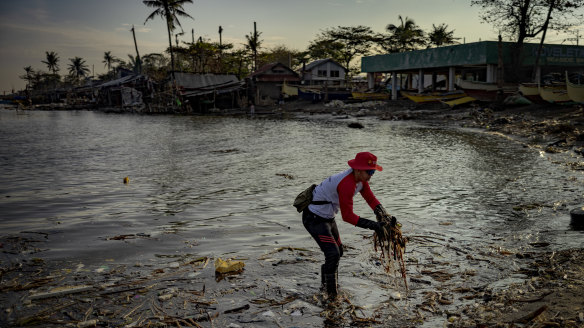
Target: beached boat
{"x":477,"y":85}
{"x":370,"y":95}
{"x":289,"y":90}
{"x":484,"y":91}
{"x":554,"y":94}
{"x":432,"y":97}
{"x":459,"y":101}
{"x":530,"y":91}
{"x":575,"y":91}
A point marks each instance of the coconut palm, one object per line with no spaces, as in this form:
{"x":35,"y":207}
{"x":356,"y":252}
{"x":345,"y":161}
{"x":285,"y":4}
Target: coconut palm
{"x":108,"y":60}
{"x":440,"y":36}
{"x":28,"y":76}
{"x":52,"y":61}
{"x":253,"y":44}
{"x":78,"y":68}
{"x":169,"y":10}
{"x":406,"y":36}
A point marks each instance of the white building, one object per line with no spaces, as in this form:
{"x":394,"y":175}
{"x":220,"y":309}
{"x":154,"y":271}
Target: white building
{"x":323,"y":71}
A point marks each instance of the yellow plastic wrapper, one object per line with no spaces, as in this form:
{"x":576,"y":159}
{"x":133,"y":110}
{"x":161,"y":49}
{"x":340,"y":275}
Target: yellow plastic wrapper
{"x":222,"y":266}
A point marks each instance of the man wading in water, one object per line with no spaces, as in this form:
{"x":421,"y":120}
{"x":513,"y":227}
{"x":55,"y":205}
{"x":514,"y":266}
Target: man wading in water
{"x":334,"y":193}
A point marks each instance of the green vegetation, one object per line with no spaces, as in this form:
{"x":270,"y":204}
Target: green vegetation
{"x":169,"y":10}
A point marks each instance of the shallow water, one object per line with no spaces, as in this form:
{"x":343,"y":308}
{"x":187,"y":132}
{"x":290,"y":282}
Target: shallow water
{"x":215,"y":186}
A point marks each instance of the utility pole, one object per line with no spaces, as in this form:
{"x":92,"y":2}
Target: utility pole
{"x":138,"y":60}
{"x":220,"y":50}
{"x":192,"y":50}
{"x":255,"y":48}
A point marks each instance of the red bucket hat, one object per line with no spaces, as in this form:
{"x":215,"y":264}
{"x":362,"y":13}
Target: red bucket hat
{"x":365,"y":161}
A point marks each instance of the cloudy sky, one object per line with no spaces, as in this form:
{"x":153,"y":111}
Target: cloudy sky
{"x":88,"y":28}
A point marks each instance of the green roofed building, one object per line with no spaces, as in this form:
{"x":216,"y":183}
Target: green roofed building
{"x":477,"y":62}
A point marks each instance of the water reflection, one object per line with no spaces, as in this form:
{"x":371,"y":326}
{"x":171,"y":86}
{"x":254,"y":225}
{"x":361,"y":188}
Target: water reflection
{"x":214,"y":179}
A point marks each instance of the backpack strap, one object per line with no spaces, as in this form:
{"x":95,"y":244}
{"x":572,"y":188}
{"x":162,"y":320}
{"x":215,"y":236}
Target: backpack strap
{"x":320,"y":202}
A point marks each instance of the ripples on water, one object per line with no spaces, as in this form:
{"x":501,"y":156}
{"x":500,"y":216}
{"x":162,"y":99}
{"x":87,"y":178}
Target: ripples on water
{"x":218,"y":183}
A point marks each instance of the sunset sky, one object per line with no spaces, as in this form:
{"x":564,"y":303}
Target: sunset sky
{"x":88,"y":28}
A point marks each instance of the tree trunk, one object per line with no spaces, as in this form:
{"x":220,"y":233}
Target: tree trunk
{"x":545,"y":27}
{"x":517,"y":50}
{"x":171,"y":52}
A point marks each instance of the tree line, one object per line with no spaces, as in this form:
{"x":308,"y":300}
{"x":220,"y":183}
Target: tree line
{"x":518,"y":19}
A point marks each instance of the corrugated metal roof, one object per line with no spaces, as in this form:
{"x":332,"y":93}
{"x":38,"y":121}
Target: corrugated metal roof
{"x":196,"y":81}
{"x":320,"y":62}
{"x":120,"y":81}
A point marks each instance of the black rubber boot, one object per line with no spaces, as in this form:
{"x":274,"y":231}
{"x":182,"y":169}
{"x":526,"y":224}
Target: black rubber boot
{"x":331,"y":286}
{"x":322,"y":280}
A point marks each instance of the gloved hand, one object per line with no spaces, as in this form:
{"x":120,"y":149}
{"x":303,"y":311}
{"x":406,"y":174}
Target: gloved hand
{"x":392,"y":221}
{"x":383,"y":216}
{"x":379,"y":227}
{"x":380,"y":212}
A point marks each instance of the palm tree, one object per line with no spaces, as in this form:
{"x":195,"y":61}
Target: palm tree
{"x":108,"y":60}
{"x":28,"y":76}
{"x":253,"y":44}
{"x":169,"y":10}
{"x":52,"y":61}
{"x":440,"y":36}
{"x":78,"y":68}
{"x":406,"y":36}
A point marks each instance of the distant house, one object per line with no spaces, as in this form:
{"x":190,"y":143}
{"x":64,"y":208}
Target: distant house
{"x":201,"y":92}
{"x":266,"y":82}
{"x":323,"y":71}
{"x":127,"y":91}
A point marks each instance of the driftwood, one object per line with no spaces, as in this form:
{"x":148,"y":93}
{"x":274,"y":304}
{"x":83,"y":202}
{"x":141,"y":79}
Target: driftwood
{"x":534,"y":299}
{"x":60,"y":291}
{"x":529,"y":317}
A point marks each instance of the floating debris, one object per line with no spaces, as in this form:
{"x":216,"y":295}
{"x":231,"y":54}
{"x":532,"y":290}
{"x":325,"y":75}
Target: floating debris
{"x":60,"y":291}
{"x":227,"y":266}
{"x":287,"y":176}
{"x":355,"y":125}
{"x":224,"y":151}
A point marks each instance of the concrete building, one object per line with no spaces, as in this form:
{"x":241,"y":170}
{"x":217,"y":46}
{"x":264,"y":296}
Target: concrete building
{"x":482,"y":62}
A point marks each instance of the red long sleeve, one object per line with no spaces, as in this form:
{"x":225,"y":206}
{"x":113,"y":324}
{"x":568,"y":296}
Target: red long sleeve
{"x":346,"y":190}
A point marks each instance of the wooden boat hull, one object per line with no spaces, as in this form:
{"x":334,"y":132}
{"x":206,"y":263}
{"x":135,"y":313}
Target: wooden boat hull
{"x":459,"y":101}
{"x":529,"y":89}
{"x":370,"y":95}
{"x":531,"y":92}
{"x":289,"y":90}
{"x":484,"y":91}
{"x":554,"y":95}
{"x":575,"y":91}
{"x":433,"y":97}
